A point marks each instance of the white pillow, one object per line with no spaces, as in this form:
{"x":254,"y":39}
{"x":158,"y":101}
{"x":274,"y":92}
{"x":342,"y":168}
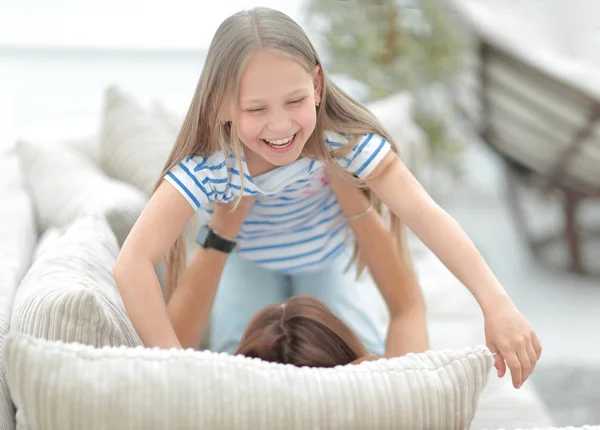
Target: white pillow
{"x":66,"y":184}
{"x":46,"y":241}
{"x":135,"y":143}
{"x":17,"y":241}
{"x":69,"y":293}
{"x":87,"y":145}
{"x":70,"y":386}
{"x":134,"y":146}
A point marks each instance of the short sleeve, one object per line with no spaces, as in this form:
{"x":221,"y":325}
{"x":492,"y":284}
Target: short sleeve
{"x":366,"y":155}
{"x":191,"y":177}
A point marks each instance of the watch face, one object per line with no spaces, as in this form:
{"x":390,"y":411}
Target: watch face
{"x":202,"y":235}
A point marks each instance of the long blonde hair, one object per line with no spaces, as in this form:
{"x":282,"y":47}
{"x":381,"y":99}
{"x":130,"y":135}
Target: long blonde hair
{"x":203,"y":132}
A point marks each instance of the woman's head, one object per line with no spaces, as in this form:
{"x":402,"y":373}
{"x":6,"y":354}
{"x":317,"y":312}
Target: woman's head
{"x":303,"y":332}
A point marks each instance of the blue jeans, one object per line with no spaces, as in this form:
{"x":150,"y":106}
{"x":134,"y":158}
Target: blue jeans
{"x":246,"y":288}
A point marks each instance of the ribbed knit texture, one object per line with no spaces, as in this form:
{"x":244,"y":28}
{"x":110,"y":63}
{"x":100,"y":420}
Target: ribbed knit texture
{"x":70,"y":386}
{"x":17,"y":240}
{"x":69,"y":293}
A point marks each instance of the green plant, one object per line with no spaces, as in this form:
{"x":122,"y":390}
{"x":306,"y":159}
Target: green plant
{"x":393,"y":46}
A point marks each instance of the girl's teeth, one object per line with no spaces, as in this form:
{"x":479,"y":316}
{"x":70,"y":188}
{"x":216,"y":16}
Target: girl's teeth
{"x":280,"y":141}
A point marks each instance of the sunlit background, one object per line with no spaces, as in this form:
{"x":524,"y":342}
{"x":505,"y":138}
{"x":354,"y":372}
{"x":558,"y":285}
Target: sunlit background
{"x":57,"y":58}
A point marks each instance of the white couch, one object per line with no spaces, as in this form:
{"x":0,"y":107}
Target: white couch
{"x":455,"y":320}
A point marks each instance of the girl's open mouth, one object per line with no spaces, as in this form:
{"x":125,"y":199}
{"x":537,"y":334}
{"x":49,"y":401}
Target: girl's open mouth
{"x":281,"y":144}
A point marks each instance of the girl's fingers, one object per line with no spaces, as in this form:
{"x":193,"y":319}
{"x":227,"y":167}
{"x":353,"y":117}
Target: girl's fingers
{"x":514,"y":364}
{"x":532,"y":355}
{"x":499,"y":363}
{"x":526,"y":365}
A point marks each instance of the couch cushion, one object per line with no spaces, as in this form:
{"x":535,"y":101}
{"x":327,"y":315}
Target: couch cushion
{"x":66,"y":184}
{"x":76,"y":387}
{"x":17,"y":240}
{"x":69,"y":293}
{"x":135,"y":143}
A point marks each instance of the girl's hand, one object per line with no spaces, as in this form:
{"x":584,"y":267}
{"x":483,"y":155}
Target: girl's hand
{"x":228,"y":221}
{"x":512,"y":341}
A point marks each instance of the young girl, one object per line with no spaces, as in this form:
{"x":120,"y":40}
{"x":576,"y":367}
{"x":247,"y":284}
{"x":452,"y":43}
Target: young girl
{"x":265,"y":122}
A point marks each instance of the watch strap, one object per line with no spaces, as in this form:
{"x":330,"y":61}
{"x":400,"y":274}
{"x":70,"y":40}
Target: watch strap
{"x":213,"y":240}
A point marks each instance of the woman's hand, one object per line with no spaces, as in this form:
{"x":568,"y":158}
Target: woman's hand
{"x":191,"y":303}
{"x":512,"y":341}
{"x":228,"y":221}
{"x":352,"y":199}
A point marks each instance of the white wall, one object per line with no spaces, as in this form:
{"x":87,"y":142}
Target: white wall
{"x":153,"y":49}
{"x":187,"y":24}
{"x":571,"y":27}
{"x":579,"y":21}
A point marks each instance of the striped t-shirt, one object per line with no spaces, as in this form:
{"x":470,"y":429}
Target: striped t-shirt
{"x":295,"y":223}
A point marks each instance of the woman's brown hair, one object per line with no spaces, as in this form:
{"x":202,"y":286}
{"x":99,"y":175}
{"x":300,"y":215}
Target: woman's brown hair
{"x":303,"y":332}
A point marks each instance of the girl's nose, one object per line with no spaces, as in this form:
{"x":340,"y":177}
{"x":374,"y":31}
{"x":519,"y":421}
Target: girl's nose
{"x":279,"y":122}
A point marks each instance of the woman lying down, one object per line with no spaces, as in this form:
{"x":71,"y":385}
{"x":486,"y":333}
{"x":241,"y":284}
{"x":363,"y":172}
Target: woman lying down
{"x":323,"y":318}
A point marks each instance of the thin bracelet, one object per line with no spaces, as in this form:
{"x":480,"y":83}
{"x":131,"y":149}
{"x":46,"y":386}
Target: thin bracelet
{"x":360,"y":215}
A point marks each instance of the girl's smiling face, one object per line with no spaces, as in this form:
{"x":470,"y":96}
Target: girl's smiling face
{"x":276,"y":111}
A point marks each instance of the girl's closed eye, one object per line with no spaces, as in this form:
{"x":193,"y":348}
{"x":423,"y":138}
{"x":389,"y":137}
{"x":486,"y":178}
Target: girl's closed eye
{"x":293,"y":102}
{"x":297,"y":101}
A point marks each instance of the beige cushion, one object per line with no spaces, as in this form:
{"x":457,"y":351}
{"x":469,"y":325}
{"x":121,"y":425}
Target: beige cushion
{"x":135,"y":143}
{"x":69,"y":293}
{"x":17,"y":241}
{"x":79,"y":387}
{"x":46,"y":241}
{"x":134,"y":146}
{"x":86,"y":145}
{"x":65,"y":184}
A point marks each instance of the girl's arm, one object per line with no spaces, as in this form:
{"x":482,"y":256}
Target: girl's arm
{"x":155,"y":231}
{"x":403,"y":194}
{"x":190,"y":304}
{"x":507,"y":331}
{"x":396,"y":281}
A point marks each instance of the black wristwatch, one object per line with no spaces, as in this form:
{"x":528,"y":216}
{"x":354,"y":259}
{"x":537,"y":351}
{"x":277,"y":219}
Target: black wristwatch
{"x":210,"y":239}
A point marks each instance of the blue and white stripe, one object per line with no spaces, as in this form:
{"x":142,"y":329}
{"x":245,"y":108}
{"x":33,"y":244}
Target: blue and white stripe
{"x":296,"y":223}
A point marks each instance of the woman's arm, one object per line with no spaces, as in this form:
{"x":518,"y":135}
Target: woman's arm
{"x":392,"y":274}
{"x":190,"y":304}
